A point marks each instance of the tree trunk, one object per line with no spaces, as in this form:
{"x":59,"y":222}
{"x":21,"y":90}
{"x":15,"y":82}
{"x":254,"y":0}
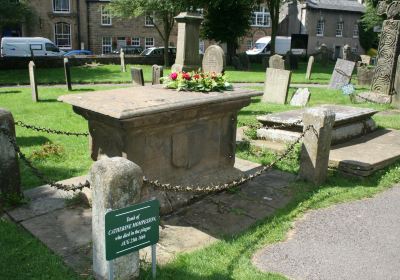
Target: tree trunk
{"x":167,"y":32}
{"x":231,"y":47}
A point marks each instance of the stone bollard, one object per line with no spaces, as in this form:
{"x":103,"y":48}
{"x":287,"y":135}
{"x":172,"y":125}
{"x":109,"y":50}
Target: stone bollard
{"x":316,"y":148}
{"x":116,"y":183}
{"x":157,"y":74}
{"x":32,"y":80}
{"x":10,"y":181}
{"x":67,"y":71}
{"x":122,"y":57}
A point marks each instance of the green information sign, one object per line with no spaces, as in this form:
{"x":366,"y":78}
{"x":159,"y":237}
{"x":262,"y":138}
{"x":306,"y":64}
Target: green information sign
{"x":132,"y":228}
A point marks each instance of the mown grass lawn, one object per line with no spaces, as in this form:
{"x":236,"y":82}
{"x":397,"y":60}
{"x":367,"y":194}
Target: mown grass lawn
{"x":23,"y":257}
{"x":112,"y":74}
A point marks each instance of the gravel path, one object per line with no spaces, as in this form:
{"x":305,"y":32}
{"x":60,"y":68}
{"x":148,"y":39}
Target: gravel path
{"x":356,"y":240}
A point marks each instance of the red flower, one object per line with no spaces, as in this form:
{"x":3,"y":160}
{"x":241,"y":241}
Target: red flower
{"x":186,"y":76}
{"x":173,"y":76}
{"x":196,"y":77}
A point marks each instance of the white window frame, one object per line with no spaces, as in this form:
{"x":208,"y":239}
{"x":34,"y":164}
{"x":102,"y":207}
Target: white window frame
{"x":249,"y":44}
{"x":135,"y":39}
{"x":356,"y":32}
{"x":106,"y":45}
{"x":61,"y":11}
{"x":320,"y":28}
{"x":146,"y":46}
{"x":339,"y":28}
{"x":260,"y":14}
{"x":63,"y":36}
{"x":106,"y":19}
{"x":148,"y":21}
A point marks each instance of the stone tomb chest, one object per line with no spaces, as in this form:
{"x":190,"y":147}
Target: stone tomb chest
{"x":351,"y":122}
{"x":175,"y":137}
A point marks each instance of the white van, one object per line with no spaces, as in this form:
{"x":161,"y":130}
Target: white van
{"x":26,"y":46}
{"x":263,"y":46}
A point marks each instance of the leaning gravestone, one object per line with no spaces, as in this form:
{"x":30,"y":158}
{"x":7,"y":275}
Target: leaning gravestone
{"x":158,"y":72}
{"x":276,"y":61}
{"x":137,"y":76}
{"x":32,"y":79}
{"x":300,"y":97}
{"x":342,"y":73}
{"x":214,"y":59}
{"x":309,"y":67}
{"x":276,"y":86}
{"x":10,"y":182}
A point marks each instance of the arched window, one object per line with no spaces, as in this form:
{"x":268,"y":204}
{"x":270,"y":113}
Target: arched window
{"x":61,"y":6}
{"x":62,"y":34}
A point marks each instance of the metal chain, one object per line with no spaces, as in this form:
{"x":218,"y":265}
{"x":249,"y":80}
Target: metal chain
{"x":232,"y":184}
{"x":48,"y":130}
{"x":36,"y":171}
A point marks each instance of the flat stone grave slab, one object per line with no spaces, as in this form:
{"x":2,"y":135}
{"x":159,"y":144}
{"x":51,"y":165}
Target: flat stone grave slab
{"x":175,"y":137}
{"x":67,"y":230}
{"x":350,"y":122}
{"x":367,"y":154}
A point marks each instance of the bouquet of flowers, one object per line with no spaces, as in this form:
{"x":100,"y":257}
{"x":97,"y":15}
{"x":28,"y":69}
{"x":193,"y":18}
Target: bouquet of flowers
{"x":195,"y":81}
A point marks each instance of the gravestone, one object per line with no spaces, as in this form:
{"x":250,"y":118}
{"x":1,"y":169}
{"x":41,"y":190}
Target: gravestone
{"x":349,"y":55}
{"x":309,"y":67}
{"x":122,"y":57}
{"x":32,"y":80}
{"x":10,"y":182}
{"x":291,"y":62}
{"x":365,"y":59}
{"x":342,"y":73}
{"x":116,"y":183}
{"x":324,"y":55}
{"x":67,"y":72}
{"x":187,"y":51}
{"x":364,"y":75}
{"x":300,"y":97}
{"x":214,"y":59}
{"x":276,"y":62}
{"x":157,"y":74}
{"x":137,"y":76}
{"x":388,"y":50}
{"x":276,"y":86}
{"x":316,"y":145}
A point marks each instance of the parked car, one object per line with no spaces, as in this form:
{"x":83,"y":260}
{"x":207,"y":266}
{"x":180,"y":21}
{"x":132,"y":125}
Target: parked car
{"x":263,"y":46}
{"x":159,"y":51}
{"x":78,"y":52}
{"x":28,"y":46}
{"x":129,"y":50}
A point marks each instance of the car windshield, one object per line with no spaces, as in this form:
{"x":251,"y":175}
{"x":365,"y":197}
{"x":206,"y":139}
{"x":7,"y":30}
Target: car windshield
{"x":146,"y":51}
{"x":260,"y":46}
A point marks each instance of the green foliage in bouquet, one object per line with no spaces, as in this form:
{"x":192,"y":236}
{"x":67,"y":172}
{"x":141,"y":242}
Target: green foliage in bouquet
{"x":201,"y":82}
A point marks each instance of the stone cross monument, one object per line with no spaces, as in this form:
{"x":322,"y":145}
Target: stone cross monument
{"x":389,"y":49}
{"x":187,"y":52}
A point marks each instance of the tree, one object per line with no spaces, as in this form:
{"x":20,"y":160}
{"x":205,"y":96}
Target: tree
{"x":274,"y":7}
{"x":369,"y":38}
{"x":162,"y":13}
{"x":14,"y":13}
{"x":226,"y":21}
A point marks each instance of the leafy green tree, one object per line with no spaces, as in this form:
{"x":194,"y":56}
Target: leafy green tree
{"x":369,"y":38}
{"x":162,"y":14}
{"x":14,"y":13}
{"x":226,"y":21}
{"x":274,"y":7}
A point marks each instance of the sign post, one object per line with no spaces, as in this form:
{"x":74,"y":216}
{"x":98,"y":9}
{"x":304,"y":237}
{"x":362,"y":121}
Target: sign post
{"x":130,"y":229}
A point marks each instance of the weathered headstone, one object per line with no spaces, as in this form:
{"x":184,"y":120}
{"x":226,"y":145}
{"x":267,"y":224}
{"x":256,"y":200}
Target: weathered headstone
{"x":309,"y":67}
{"x":323,"y":55}
{"x":137,"y":76}
{"x":276,"y":61}
{"x":10,"y":182}
{"x":187,"y":51}
{"x":316,"y":145}
{"x":300,"y":97}
{"x":157,"y":74}
{"x":389,"y":49}
{"x":214,"y":59}
{"x":32,"y":80}
{"x":122,"y":57}
{"x":67,"y":72}
{"x":291,"y":62}
{"x":276,"y":86}
{"x":116,"y":183}
{"x":349,"y":55}
{"x":365,"y":59}
{"x":342,"y":73}
{"x":365,"y":75}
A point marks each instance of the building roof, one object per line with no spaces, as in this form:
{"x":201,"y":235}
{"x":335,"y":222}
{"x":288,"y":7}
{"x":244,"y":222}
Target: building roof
{"x":339,"y":5}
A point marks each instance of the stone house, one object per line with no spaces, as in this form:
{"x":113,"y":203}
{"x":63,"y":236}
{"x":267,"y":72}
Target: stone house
{"x":330,"y":22}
